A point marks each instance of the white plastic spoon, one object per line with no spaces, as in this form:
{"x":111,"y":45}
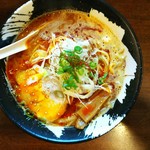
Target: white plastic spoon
{"x":16,"y":47}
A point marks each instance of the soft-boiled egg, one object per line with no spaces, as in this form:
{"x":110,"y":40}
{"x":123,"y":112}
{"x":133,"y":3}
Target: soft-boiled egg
{"x":36,"y":90}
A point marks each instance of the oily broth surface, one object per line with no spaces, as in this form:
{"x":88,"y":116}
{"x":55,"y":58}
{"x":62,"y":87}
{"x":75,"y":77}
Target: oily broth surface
{"x":73,"y":24}
{"x":61,"y":22}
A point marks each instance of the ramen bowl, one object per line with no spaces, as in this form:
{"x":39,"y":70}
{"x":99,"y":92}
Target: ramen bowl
{"x":97,"y":127}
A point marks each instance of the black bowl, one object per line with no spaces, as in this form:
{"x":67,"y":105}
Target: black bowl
{"x":68,"y":135}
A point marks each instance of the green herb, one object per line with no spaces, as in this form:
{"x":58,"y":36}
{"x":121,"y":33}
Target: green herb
{"x":70,"y":83}
{"x":91,"y":75}
{"x":71,"y":63}
{"x":60,"y":70}
{"x":63,"y":62}
{"x":78,"y":49}
{"x":102,"y":79}
{"x":74,"y":60}
{"x":69,"y":52}
{"x":80,"y":70}
{"x":92,"y":65}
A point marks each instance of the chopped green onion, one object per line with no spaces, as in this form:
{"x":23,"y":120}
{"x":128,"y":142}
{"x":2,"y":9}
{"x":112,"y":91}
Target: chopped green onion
{"x":101,"y":79}
{"x":69,"y":83}
{"x":62,"y":55}
{"x":105,"y":75}
{"x":64,"y":62}
{"x":92,"y":65}
{"x":68,"y":69}
{"x":66,"y":85}
{"x":74,"y":60}
{"x":69,"y":52}
{"x":78,"y":49}
{"x":60,"y":70}
{"x":71,"y":64}
{"x":80,"y":71}
{"x":91,"y":75}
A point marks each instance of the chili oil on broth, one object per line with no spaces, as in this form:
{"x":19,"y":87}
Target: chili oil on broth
{"x":33,"y":74}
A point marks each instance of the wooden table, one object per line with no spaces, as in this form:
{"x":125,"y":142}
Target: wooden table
{"x":131,"y":134}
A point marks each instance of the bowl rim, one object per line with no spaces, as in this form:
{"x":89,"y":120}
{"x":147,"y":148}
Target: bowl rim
{"x":124,"y":20}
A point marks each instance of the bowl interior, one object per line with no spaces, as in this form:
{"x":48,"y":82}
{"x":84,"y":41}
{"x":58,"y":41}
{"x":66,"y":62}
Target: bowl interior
{"x":114,"y":116}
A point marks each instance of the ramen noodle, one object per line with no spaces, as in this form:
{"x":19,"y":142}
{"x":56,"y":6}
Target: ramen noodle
{"x":72,"y":69}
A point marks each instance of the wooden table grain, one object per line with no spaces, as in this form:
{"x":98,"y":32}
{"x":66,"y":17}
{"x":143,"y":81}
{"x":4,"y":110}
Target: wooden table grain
{"x":133,"y":133}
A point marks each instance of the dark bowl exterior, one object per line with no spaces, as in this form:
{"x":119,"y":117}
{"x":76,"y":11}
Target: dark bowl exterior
{"x":72,"y":135}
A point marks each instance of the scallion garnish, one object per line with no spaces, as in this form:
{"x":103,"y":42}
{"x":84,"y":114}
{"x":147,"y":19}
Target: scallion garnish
{"x":71,"y":63}
{"x":102,"y":79}
{"x":80,"y":70}
{"x":60,"y":70}
{"x":70,"y":83}
{"x":92,"y":65}
{"x":78,"y":49}
{"x":91,"y":75}
{"x":63,"y":62}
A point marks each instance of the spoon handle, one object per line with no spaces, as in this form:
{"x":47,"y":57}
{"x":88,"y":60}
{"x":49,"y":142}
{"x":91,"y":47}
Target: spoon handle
{"x":15,"y":47}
